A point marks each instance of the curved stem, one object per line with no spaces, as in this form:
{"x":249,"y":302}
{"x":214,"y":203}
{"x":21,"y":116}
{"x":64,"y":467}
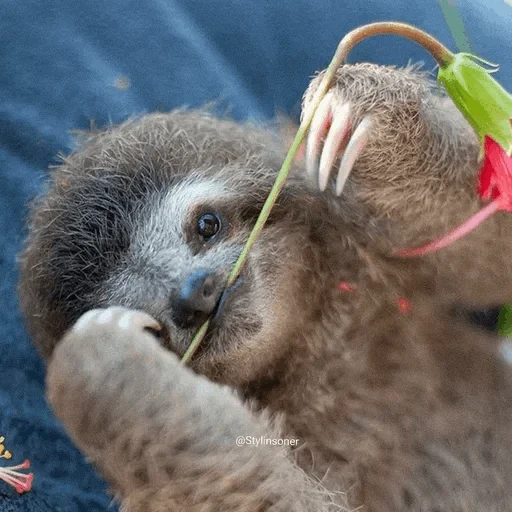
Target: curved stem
{"x":258,"y":226}
{"x":440,"y":53}
{"x":454,"y":235}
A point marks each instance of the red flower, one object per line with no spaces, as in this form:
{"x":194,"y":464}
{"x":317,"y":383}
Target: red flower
{"x":494,"y":182}
{"x":495,"y":179}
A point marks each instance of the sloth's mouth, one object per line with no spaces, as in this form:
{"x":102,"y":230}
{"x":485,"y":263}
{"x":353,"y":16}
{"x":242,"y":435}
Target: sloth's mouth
{"x":218,"y":314}
{"x":217,"y":317}
{"x":224,"y":298}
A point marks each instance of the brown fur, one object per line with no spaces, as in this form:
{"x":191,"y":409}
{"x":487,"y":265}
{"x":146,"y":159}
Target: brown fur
{"x":393,"y":412}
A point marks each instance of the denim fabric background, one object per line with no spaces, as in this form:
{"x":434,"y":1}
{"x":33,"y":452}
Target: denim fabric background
{"x":63,"y":65}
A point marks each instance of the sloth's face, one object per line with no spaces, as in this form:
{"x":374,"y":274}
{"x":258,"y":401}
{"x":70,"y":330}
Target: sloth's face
{"x":152,"y":215}
{"x":182,"y":246}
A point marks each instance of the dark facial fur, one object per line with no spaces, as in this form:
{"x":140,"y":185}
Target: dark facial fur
{"x":384,"y":403}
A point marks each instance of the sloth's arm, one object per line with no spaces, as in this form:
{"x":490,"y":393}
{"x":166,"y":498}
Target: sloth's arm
{"x":164,"y":437}
{"x":414,"y":165}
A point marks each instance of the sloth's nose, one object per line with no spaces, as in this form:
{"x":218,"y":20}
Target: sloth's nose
{"x":196,"y":300}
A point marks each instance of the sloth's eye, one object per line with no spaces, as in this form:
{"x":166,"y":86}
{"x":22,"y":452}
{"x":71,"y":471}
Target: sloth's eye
{"x":208,"y":225}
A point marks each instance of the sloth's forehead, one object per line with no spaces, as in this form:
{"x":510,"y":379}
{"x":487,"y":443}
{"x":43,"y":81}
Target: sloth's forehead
{"x":190,"y":193}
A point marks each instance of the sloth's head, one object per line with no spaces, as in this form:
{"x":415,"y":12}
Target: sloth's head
{"x":153,"y":214}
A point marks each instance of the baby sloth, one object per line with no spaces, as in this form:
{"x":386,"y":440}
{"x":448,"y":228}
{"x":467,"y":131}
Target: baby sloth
{"x":393,"y":408}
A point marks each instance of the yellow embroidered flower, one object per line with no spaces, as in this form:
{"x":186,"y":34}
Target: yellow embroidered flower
{"x":4,"y":454}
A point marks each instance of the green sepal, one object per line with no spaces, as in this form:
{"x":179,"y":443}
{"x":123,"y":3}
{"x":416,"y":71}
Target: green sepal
{"x":485,"y":104}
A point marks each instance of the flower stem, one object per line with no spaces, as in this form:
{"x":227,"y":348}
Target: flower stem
{"x":261,"y":220}
{"x":194,"y":344}
{"x":454,"y":235}
{"x":440,"y":53}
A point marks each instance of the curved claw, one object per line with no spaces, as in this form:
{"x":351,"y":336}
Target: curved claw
{"x":331,"y":127}
{"x":354,"y":147}
{"x":334,"y":141}
{"x":317,"y":131}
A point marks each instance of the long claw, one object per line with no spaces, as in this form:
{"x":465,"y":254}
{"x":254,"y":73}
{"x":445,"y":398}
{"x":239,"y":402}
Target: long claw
{"x":317,"y":131}
{"x":337,"y":136}
{"x":352,"y":151}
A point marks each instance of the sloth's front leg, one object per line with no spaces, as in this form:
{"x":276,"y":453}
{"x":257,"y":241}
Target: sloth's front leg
{"x":164,"y":437}
{"x":384,"y":139}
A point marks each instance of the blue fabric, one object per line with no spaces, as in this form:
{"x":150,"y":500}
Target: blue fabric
{"x":62,"y":65}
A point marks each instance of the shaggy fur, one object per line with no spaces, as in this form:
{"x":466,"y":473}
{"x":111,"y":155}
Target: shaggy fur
{"x":393,"y":411}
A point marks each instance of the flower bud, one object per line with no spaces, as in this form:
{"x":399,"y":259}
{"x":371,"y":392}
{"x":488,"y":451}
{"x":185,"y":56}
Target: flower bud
{"x":485,"y":104}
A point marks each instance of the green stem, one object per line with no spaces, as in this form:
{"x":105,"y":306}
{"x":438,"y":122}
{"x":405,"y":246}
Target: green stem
{"x":440,"y":53}
{"x":456,"y":25}
{"x":265,"y":211}
{"x":194,"y":344}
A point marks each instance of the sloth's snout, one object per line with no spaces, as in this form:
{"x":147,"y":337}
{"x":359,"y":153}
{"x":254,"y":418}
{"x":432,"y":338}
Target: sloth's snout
{"x":196,"y":300}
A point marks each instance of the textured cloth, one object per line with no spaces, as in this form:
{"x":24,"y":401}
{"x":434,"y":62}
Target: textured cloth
{"x":65,"y":65}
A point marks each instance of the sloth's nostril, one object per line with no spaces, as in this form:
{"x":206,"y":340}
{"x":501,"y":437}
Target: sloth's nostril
{"x":207,"y":290}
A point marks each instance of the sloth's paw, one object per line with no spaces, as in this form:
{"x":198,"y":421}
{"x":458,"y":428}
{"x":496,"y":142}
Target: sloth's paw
{"x":97,"y":353}
{"x":334,"y":141}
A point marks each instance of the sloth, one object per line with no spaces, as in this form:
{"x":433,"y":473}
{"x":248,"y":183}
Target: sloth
{"x":334,"y":375}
